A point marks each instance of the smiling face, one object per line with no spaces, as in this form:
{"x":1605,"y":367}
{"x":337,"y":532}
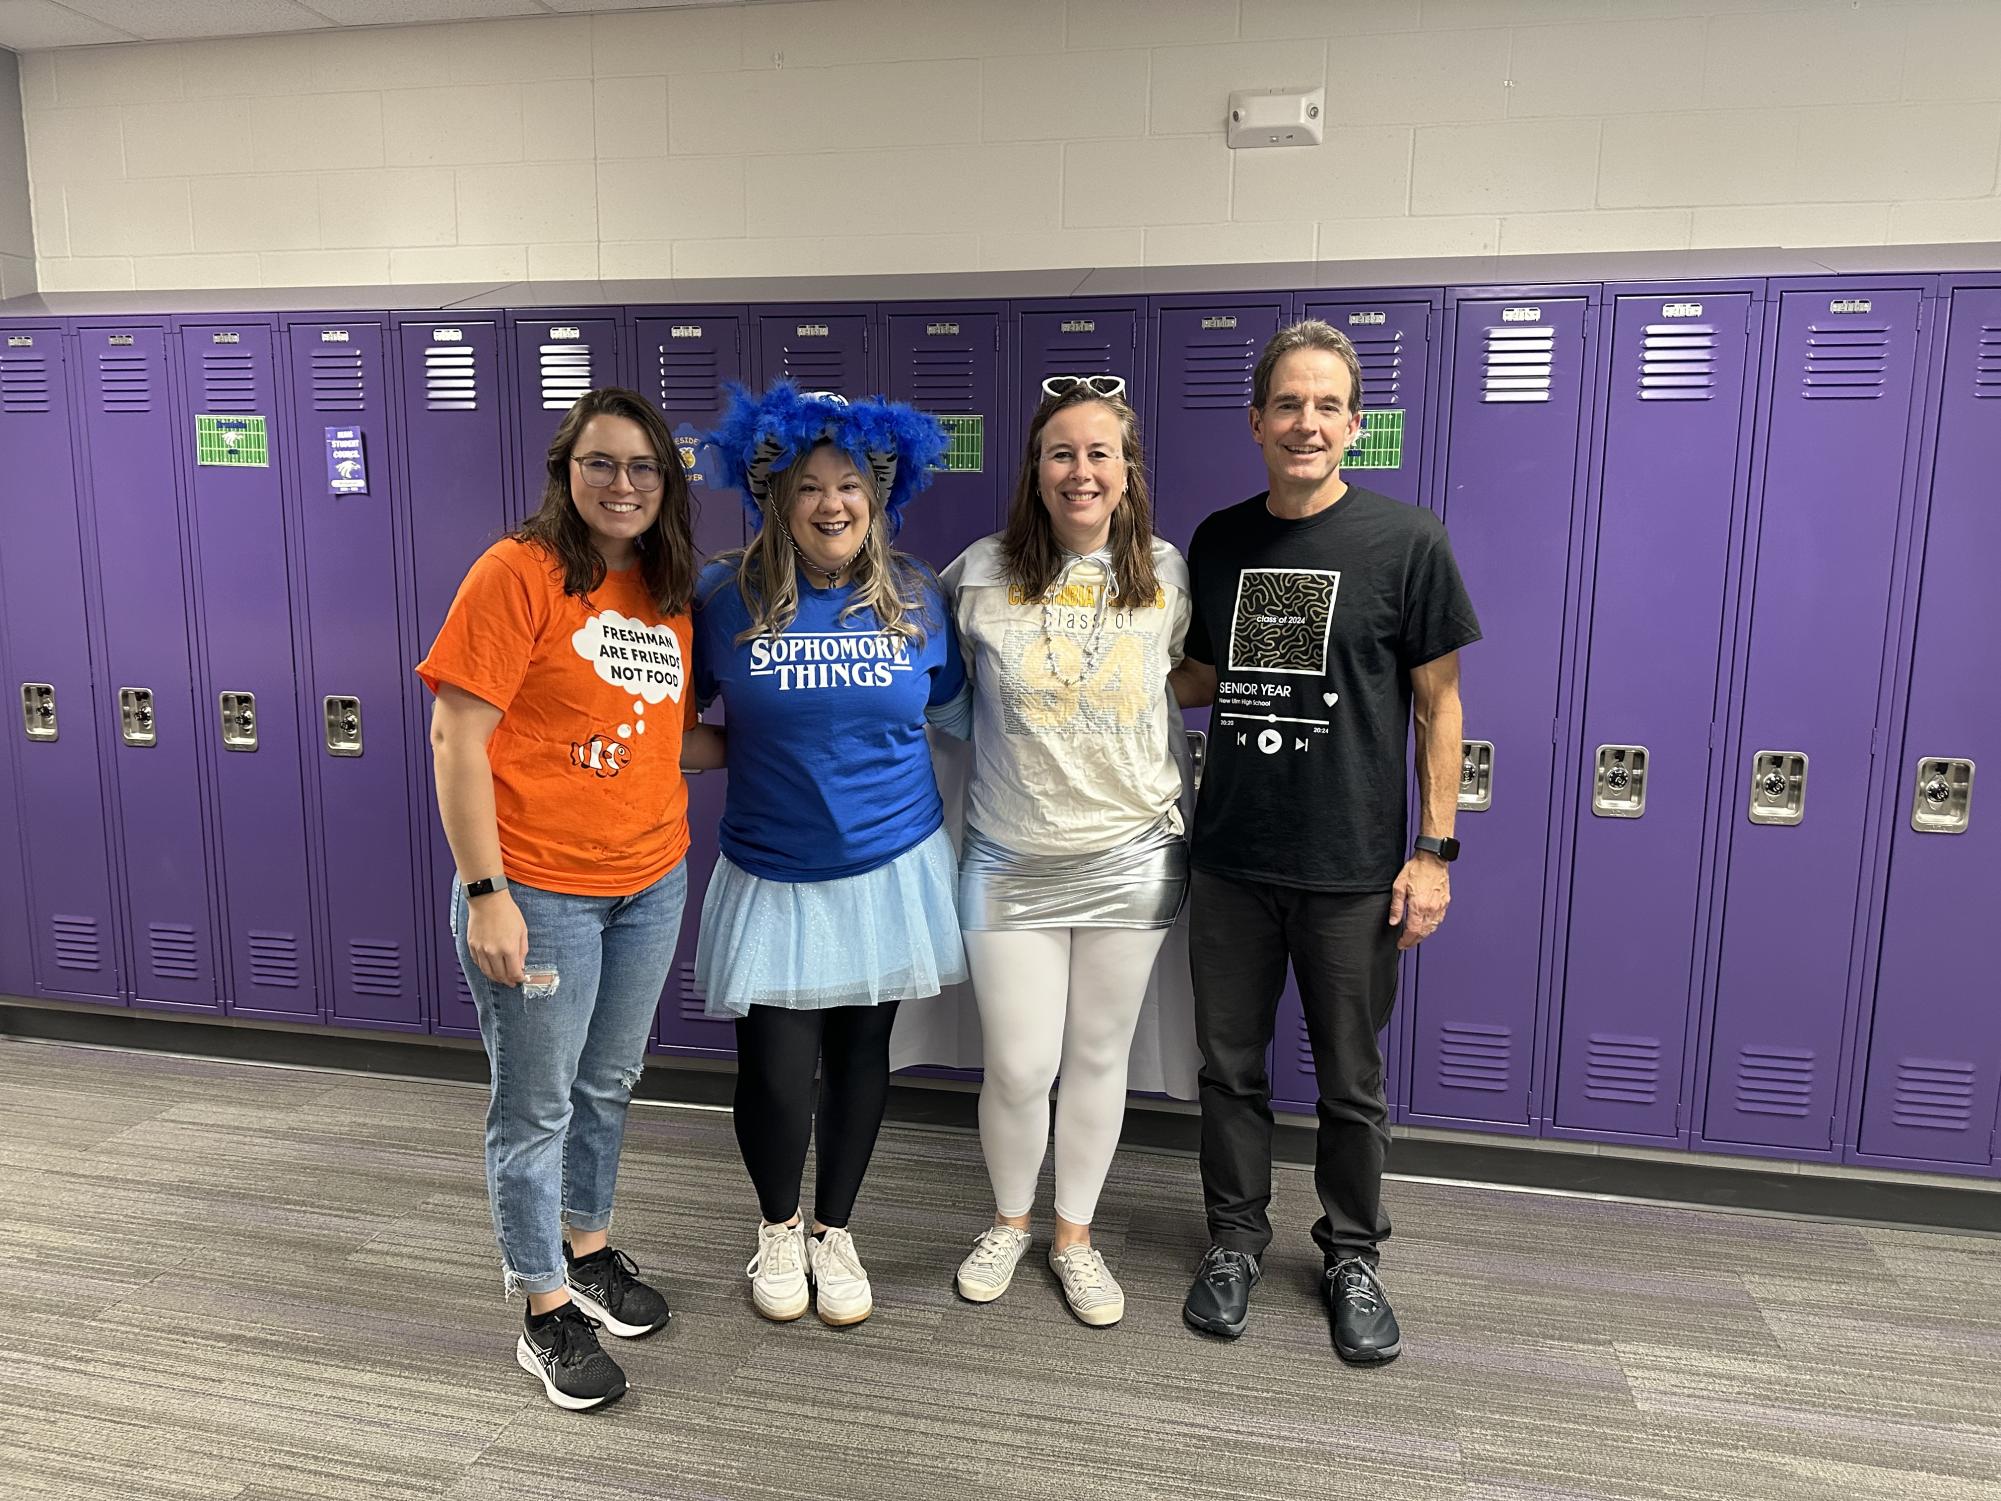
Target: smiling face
{"x":1081,"y":474}
{"x":829,"y":514}
{"x":617,"y":513}
{"x":1308,"y":421}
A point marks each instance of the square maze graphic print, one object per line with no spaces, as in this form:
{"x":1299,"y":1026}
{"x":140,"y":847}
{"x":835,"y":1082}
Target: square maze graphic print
{"x":1282,"y":620}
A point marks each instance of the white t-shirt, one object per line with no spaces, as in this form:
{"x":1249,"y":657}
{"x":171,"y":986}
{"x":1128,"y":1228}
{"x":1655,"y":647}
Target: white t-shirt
{"x":1072,"y":722}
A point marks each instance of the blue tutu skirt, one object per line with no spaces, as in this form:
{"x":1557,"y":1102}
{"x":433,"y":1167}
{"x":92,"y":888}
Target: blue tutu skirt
{"x":890,"y":934}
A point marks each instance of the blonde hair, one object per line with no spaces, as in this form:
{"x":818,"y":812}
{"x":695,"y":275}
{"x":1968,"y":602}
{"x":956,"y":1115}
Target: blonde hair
{"x":887,"y":582}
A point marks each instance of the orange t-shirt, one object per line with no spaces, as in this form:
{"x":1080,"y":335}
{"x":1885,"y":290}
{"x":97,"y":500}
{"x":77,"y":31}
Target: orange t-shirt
{"x":594,"y":695}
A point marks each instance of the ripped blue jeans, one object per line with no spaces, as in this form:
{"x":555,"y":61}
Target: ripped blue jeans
{"x":564,"y":1063}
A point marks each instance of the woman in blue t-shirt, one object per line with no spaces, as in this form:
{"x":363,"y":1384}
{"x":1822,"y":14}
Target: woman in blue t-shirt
{"x":834,"y":896}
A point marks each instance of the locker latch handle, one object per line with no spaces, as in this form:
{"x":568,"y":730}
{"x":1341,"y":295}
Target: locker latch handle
{"x":135,"y":717}
{"x":1198,"y":753}
{"x":1942,"y":799}
{"x":1778,"y":787}
{"x":38,"y":710}
{"x":239,"y":721}
{"x":343,"y":722}
{"x":1476,"y":775}
{"x":1619,"y":782}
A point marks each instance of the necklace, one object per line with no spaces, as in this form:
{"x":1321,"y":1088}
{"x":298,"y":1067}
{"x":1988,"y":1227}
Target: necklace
{"x":809,"y":565}
{"x":1093,"y":644}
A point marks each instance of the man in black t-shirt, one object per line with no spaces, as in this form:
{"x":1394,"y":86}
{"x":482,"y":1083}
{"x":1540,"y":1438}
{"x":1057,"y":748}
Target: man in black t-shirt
{"x":1324,"y":616}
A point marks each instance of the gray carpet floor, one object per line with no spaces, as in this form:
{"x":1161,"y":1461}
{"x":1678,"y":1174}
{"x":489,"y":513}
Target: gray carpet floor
{"x":236,"y":1283}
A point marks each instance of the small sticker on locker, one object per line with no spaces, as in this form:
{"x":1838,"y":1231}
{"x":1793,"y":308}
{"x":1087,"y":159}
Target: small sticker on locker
{"x":232,"y":441}
{"x":347,"y":462}
{"x":697,"y":458}
{"x":1381,"y":443}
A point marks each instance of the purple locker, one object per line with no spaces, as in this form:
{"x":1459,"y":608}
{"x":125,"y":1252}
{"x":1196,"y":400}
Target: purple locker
{"x":248,"y":706}
{"x":948,"y":361}
{"x":682,"y":1027}
{"x":1511,"y":467}
{"x":1200,"y":454}
{"x":455,"y":471}
{"x":52,"y":695}
{"x":1393,"y":339}
{"x":557,"y":359}
{"x":816,"y":348}
{"x":353,"y":693}
{"x":1076,"y":338}
{"x":1835,"y":479}
{"x":1934,"y":1050}
{"x":17,"y":955}
{"x":153,"y":728}
{"x":1672,"y":479}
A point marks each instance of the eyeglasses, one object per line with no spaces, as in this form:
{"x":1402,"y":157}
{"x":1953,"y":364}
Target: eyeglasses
{"x":644,"y":475}
{"x":1097,"y":385}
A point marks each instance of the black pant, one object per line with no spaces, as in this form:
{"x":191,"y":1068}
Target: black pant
{"x":777,"y":1053}
{"x":1344,"y":952}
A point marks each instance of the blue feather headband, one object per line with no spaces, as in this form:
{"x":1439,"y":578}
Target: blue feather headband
{"x":757,"y":434}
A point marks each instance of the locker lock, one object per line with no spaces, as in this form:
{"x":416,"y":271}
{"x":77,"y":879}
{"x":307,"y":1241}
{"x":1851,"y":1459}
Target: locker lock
{"x":1943,"y":800}
{"x":1476,"y":775}
{"x":1619,"y":785}
{"x":1198,"y":752}
{"x":135,"y":717}
{"x":38,"y":710}
{"x":343,"y":720}
{"x":1778,"y":787}
{"x":239,"y":721}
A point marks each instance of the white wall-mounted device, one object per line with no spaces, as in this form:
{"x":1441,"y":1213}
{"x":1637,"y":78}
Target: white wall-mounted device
{"x":1277,"y":117}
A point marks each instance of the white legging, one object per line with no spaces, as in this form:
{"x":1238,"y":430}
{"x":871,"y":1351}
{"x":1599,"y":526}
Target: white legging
{"x":1056,"y":999}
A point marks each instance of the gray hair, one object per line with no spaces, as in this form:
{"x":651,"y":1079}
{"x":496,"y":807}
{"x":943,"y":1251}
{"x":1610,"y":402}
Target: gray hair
{"x":1309,"y":333}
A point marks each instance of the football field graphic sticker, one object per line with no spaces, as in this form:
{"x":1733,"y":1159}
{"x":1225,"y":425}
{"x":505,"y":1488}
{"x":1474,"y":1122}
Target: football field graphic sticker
{"x":1282,"y":620}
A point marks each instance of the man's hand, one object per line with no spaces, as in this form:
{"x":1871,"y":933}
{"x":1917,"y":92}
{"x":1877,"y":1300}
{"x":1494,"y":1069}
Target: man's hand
{"x":1422,"y":892}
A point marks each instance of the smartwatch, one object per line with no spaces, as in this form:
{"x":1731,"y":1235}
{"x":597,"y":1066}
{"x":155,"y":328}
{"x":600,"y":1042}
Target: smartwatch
{"x":485,"y":886}
{"x":1447,"y":849}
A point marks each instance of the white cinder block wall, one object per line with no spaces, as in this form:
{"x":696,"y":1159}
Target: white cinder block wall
{"x":903,"y":135}
{"x":17,"y":233}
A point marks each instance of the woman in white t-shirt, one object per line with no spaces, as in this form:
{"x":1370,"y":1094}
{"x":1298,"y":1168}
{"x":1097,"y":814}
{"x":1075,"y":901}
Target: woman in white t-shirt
{"x":1074,"y":861}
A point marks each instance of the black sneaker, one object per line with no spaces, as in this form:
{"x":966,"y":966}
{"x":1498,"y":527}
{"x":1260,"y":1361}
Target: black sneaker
{"x":562,"y":1348}
{"x":1220,"y":1300}
{"x":606,"y":1285}
{"x":1359,"y":1312}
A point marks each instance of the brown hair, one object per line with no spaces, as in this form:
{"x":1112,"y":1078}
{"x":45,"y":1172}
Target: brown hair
{"x":1309,"y":333}
{"x":666,"y":549}
{"x":1029,"y":549}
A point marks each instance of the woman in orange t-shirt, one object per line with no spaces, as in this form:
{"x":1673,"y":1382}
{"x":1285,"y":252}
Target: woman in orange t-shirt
{"x":564,"y":718}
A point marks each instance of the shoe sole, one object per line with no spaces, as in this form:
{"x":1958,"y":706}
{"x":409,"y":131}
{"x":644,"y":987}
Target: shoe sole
{"x":842,"y":1320}
{"x":612,"y":1325}
{"x":1216,"y":1326}
{"x":782,"y":1313}
{"x":977,"y":1294}
{"x":1097,"y":1318}
{"x":1370,"y":1357}
{"x":525,"y":1358}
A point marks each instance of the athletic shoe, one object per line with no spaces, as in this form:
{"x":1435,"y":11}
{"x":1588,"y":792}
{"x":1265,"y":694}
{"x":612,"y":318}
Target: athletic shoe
{"x":1088,"y":1286}
{"x":562,"y":1349}
{"x":841,"y":1294}
{"x":606,"y":1285}
{"x":985,"y":1275}
{"x":1359,"y":1313}
{"x":778,"y":1272}
{"x":1219,"y":1302}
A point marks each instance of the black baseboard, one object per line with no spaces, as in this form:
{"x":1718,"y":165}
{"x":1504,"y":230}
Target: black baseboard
{"x":1509,"y":1162}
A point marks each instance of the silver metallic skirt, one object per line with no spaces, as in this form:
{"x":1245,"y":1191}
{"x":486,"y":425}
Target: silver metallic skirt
{"x":1138,"y":884}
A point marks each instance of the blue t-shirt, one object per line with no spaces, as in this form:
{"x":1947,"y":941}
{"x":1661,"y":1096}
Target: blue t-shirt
{"x":829,"y":771}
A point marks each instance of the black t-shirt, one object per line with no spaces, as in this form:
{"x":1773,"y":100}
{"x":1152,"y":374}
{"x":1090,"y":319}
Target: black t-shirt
{"x":1314,"y":627}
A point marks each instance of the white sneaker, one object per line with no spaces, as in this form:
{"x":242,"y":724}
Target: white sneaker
{"x":1088,"y":1285}
{"x":841,"y":1290}
{"x":985,"y":1275}
{"x":778,"y":1272}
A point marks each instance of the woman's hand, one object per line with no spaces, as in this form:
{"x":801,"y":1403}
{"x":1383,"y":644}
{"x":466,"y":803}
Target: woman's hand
{"x":497,"y":935}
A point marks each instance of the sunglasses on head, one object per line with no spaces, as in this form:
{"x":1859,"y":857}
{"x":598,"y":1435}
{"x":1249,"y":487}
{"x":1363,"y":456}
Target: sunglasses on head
{"x":1097,"y":385}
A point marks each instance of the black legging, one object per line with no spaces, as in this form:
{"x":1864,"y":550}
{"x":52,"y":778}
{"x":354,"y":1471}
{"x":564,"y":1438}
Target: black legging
{"x":777,"y":1051}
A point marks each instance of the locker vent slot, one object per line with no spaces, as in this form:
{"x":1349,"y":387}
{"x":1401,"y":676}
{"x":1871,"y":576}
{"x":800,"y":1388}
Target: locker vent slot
{"x":1987,"y":367}
{"x":375,"y":968}
{"x":274,"y":960}
{"x":76,"y":943}
{"x":1074,"y":354}
{"x":1303,"y":1049}
{"x":566,"y":375}
{"x":1521,"y":360}
{"x":1849,"y":363}
{"x":24,"y":382}
{"x":126,"y":381}
{"x":459,"y":984}
{"x":1474,"y":1057}
{"x":817,"y":369}
{"x":689,"y":380}
{"x":692,"y":995}
{"x":229,"y":382}
{"x":1626,"y":1069}
{"x":172,"y":951}
{"x":1216,"y":374}
{"x":1382,"y":368}
{"x":1678,"y":362}
{"x":1934,"y":1094}
{"x":340,"y":380}
{"x":451,"y":378}
{"x":1774,"y":1083}
{"x":941,"y":379}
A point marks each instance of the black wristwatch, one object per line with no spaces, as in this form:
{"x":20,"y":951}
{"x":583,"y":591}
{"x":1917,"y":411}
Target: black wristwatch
{"x":1447,"y":849}
{"x":486,"y":886}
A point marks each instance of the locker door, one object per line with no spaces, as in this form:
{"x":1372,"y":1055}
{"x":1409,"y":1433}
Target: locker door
{"x":1394,"y":342}
{"x":1201,"y":456}
{"x":1671,"y":488}
{"x":249,"y":692}
{"x":354,"y":694}
{"x":455,"y":470}
{"x":17,"y":957}
{"x":684,"y":359}
{"x":1085,"y":339}
{"x":1934,"y":1059}
{"x":947,"y":361}
{"x":817,"y":349}
{"x":556,"y":360}
{"x":130,"y":432}
{"x":1841,"y":422}
{"x":1510,"y":476}
{"x":52,"y":697}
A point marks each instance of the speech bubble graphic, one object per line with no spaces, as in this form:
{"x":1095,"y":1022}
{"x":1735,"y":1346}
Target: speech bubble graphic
{"x":629,"y":654}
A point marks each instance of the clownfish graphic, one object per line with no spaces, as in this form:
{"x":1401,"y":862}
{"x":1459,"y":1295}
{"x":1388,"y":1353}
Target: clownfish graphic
{"x":604,"y":757}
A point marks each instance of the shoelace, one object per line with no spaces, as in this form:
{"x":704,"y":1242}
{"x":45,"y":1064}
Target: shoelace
{"x":784,"y":1251}
{"x":991,"y":1251}
{"x":1086,"y":1268}
{"x":574,"y":1336}
{"x":1221,"y":1266}
{"x":840,"y":1246}
{"x":620,"y":1271}
{"x":1358,"y":1285}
